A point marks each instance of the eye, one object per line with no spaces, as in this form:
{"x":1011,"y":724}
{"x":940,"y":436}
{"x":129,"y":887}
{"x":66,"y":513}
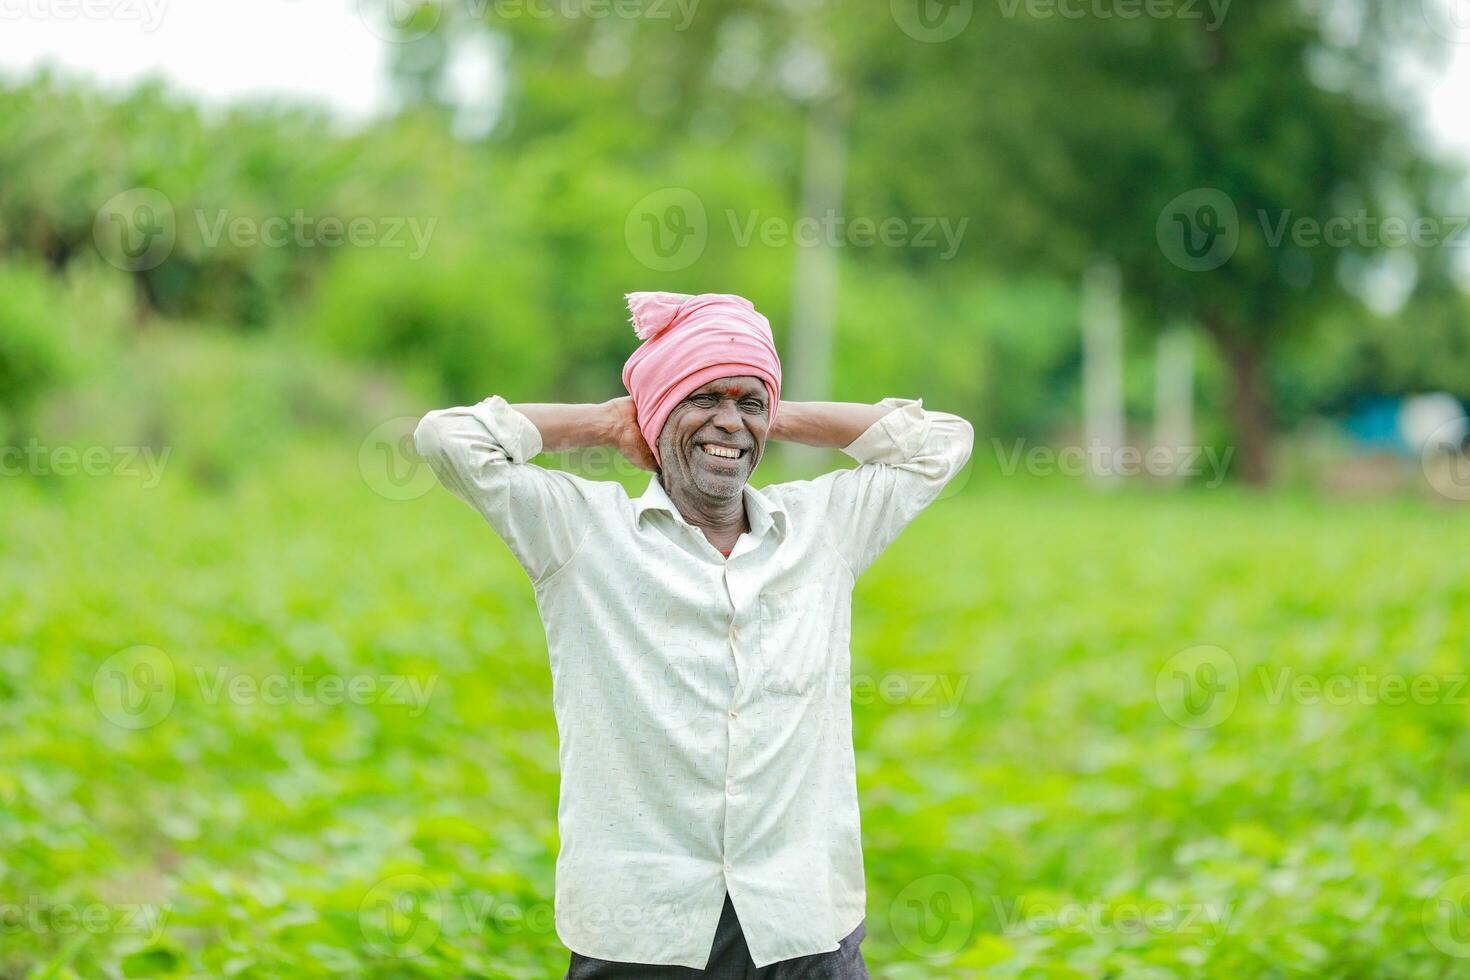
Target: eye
{"x":753,"y":405}
{"x":703,"y":401}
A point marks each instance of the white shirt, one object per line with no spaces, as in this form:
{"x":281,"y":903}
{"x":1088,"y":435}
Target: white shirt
{"x":702,"y":704}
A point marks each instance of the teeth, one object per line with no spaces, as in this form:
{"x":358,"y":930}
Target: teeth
{"x":722,"y":452}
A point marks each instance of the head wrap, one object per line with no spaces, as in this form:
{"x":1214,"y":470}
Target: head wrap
{"x":689,"y":341}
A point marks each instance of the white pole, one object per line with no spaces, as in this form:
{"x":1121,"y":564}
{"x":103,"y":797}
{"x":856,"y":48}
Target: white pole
{"x":1102,"y":370}
{"x":1174,"y":394}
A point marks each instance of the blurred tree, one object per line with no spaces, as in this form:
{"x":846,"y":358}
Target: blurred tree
{"x":34,"y":354}
{"x":418,"y":51}
{"x":1183,"y":148}
{"x":75,"y":164}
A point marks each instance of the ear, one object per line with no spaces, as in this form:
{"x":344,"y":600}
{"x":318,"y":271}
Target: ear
{"x":653,"y":313}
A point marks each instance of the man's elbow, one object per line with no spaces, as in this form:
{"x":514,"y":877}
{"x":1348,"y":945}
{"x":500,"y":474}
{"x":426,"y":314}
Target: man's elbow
{"x":428,"y":437}
{"x":958,"y":438}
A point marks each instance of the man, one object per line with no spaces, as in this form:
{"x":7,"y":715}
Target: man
{"x":698,"y":638}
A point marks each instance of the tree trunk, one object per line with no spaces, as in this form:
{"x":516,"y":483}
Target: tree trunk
{"x":1250,"y":409}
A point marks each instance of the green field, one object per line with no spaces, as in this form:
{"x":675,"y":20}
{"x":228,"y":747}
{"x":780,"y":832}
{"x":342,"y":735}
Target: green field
{"x":335,"y":752}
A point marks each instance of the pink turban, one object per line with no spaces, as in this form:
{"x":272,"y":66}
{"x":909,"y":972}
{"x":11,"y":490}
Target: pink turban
{"x":689,"y":341}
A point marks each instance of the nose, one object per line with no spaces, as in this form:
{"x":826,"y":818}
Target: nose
{"x":727,"y":416}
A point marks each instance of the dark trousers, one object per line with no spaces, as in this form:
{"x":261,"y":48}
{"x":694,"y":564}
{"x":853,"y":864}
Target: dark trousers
{"x":729,"y":959}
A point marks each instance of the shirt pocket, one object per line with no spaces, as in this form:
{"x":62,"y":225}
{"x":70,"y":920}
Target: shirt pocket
{"x":794,"y":639}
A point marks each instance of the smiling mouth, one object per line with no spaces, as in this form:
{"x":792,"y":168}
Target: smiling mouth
{"x":722,"y":452}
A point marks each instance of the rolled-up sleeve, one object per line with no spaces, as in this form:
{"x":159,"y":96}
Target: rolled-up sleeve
{"x":905,"y":460}
{"x":481,"y":454}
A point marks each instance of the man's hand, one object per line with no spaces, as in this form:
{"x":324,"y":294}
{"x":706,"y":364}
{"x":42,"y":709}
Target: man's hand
{"x":627,"y":438}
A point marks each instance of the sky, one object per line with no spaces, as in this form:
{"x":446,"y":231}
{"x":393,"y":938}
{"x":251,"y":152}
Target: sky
{"x":216,"y":50}
{"x":334,"y":52}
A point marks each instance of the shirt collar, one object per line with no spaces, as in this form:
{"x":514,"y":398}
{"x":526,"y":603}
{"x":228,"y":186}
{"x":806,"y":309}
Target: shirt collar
{"x":762,"y":512}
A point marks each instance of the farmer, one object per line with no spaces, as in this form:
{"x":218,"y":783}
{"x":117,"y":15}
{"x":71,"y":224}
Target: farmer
{"x":698,"y":638}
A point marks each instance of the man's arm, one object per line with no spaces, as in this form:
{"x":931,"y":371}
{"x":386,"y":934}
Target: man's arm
{"x":481,"y":454}
{"x":905,"y":454}
{"x":610,"y":423}
{"x":828,"y":425}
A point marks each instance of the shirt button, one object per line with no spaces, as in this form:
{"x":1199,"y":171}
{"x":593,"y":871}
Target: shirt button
{"x":734,"y":713}
{"x":730,"y":788}
{"x":727,"y":866}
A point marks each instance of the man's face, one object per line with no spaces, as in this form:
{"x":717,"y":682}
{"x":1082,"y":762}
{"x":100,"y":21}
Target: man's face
{"x":714,"y":437}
